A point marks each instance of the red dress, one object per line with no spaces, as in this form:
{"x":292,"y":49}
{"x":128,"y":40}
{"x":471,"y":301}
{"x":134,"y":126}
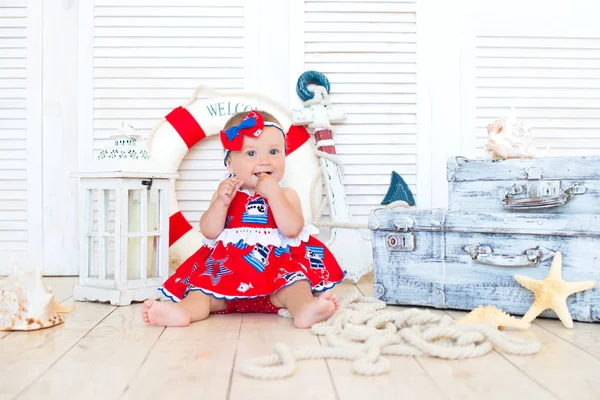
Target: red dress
{"x":252,"y":259}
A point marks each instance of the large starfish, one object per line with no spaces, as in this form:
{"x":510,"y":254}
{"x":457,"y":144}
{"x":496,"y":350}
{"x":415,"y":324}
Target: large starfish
{"x":552,"y":292}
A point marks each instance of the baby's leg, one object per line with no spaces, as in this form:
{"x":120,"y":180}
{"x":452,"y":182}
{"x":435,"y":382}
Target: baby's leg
{"x":195,"y":307}
{"x":305,"y":308}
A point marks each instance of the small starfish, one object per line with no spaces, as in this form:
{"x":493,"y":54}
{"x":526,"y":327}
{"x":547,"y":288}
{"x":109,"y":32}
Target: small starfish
{"x":493,"y":317}
{"x":552,"y":292}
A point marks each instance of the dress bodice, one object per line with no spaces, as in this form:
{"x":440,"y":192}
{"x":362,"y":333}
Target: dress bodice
{"x":249,"y":211}
{"x":250,"y":220}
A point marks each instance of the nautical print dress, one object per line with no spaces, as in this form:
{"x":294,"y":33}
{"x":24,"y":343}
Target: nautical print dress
{"x":251,"y":258}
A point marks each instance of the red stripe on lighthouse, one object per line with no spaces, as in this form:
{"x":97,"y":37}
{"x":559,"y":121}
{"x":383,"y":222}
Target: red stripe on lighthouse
{"x":296,"y":137}
{"x":178,"y":226}
{"x":324,"y":134}
{"x":186,"y":126}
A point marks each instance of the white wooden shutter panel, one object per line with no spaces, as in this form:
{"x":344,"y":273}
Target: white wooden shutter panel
{"x":149,"y":56}
{"x":548,"y":71}
{"x":367,"y":50}
{"x":13,"y":133}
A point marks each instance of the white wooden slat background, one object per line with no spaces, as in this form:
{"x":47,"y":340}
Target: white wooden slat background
{"x":544,"y":63}
{"x":554,"y":84}
{"x":13,"y":131}
{"x":368,"y":52}
{"x":148,"y":59}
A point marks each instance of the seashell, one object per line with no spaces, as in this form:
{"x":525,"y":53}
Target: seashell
{"x":27,"y":304}
{"x":509,"y":138}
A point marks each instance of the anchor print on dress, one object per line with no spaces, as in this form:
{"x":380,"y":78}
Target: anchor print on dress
{"x":258,"y":257}
{"x":216,"y":269}
{"x":256,"y":212}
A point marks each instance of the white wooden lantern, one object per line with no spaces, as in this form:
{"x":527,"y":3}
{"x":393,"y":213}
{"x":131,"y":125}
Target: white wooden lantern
{"x":123,"y":226}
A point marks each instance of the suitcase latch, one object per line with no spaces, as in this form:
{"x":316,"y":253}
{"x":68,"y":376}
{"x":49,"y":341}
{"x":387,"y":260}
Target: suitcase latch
{"x":400,"y":241}
{"x":540,"y":194}
{"x":534,"y":172}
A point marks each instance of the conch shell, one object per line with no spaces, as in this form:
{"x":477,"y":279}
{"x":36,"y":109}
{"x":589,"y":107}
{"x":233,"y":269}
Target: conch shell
{"x":509,"y":138}
{"x":26,"y":304}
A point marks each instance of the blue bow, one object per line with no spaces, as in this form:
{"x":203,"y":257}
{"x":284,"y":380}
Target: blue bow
{"x":234,"y":131}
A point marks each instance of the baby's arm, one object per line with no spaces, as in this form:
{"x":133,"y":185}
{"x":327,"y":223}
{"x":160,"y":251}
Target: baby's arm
{"x":212,"y":221}
{"x":287,"y":211}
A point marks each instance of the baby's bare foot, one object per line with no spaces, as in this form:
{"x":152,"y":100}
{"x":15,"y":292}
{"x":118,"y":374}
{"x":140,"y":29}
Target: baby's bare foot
{"x":336,"y":301}
{"x":333,"y":297}
{"x":165,"y":314}
{"x":320,"y":309}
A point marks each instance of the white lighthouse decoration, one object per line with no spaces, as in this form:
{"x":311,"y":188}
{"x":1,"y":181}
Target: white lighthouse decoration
{"x":351,"y":248}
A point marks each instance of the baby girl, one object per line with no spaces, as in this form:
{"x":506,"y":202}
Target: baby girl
{"x":258,"y":255}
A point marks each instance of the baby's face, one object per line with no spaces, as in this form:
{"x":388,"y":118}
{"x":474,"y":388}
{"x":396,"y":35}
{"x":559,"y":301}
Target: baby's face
{"x":263,"y":154}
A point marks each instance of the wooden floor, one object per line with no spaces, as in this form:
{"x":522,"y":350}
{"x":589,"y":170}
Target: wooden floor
{"x":106,"y":352}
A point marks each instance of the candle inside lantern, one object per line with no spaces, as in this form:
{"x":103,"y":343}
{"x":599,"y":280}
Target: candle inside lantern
{"x":134,"y":255}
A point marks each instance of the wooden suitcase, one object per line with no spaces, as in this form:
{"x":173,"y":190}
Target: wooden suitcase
{"x":467,"y":255}
{"x":561,"y":185}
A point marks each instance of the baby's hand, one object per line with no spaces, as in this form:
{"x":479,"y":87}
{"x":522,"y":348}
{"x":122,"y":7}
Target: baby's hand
{"x":227,"y":189}
{"x":267,"y":186}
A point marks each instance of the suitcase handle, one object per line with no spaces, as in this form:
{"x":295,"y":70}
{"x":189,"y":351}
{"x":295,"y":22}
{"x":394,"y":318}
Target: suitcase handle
{"x":539,"y":202}
{"x":529,"y":258}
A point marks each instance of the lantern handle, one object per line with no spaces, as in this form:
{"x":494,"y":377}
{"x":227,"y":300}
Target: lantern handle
{"x":147,"y":183}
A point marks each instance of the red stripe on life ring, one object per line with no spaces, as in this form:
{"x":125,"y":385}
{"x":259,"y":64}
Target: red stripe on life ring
{"x":296,"y":137}
{"x":178,"y":226}
{"x":188,"y":128}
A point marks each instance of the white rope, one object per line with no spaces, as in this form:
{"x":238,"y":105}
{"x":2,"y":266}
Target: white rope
{"x":362,"y":331}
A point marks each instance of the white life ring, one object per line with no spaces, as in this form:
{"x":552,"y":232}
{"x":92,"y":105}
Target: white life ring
{"x":187,"y":125}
